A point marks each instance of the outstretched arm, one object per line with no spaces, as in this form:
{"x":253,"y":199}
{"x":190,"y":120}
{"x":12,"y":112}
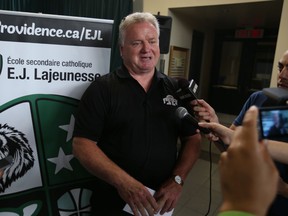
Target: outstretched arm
{"x":218,"y":131}
{"x":278,"y":150}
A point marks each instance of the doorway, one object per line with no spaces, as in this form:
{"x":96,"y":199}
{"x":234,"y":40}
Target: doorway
{"x":240,"y":67}
{"x":196,"y":56}
{"x":248,"y":59}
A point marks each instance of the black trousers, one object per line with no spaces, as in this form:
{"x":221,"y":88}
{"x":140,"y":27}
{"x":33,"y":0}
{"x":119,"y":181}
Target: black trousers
{"x":106,"y":201}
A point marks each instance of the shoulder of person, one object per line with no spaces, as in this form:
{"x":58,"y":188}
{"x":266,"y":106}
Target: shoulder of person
{"x":101,"y":82}
{"x":173,"y":80}
{"x":257,"y":94}
{"x":170,"y":82}
{"x":257,"y":98}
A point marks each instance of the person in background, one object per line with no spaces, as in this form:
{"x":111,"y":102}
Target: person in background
{"x":248,"y":186}
{"x":278,"y":125}
{"x":205,"y":112}
{"x":126,"y":131}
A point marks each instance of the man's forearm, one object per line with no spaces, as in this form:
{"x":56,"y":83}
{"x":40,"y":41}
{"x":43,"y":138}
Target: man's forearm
{"x":97,"y":163}
{"x":188,"y":155}
{"x":278,"y":150}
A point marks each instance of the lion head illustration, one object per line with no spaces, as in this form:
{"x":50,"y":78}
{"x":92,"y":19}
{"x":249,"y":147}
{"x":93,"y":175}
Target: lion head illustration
{"x":15,"y":144}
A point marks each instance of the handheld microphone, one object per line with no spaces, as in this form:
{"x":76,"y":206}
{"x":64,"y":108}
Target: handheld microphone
{"x":187,"y":90}
{"x":182,"y":113}
{"x":186,"y":93}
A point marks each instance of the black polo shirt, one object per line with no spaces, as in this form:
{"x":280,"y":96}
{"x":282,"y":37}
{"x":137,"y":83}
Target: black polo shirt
{"x":138,"y":130}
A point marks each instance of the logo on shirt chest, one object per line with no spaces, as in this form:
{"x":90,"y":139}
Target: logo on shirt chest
{"x":170,"y":101}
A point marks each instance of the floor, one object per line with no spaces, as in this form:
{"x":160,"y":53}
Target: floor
{"x":196,"y":197}
{"x":203,"y":179}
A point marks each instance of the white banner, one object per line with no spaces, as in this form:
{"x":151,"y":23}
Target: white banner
{"x":46,"y":63}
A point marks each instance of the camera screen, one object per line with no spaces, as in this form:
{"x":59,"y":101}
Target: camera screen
{"x":274,"y":122}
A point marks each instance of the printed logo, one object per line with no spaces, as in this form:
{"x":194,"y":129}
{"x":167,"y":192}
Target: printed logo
{"x":75,"y":202}
{"x":28,"y":209}
{"x":15,"y":144}
{"x":170,"y":101}
{"x":46,"y":156}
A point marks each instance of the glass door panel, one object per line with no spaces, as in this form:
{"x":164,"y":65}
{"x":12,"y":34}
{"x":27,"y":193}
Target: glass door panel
{"x":230,"y":63}
{"x":263,"y":65}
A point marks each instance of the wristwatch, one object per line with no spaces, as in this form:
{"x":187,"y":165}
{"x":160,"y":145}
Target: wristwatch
{"x":178,"y":179}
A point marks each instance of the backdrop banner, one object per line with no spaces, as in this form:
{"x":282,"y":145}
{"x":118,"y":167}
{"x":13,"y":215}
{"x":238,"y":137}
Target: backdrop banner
{"x":46,"y":63}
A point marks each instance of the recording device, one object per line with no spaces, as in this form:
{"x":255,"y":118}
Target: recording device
{"x":182,"y":113}
{"x":187,"y":90}
{"x":273,"y":122}
{"x":186,"y":93}
{"x":5,"y":162}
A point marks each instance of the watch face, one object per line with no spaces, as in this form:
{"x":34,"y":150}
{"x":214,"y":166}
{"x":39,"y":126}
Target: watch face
{"x":178,"y":179}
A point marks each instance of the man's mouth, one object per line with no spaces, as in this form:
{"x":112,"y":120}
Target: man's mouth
{"x":147,"y":58}
{"x":282,"y":85}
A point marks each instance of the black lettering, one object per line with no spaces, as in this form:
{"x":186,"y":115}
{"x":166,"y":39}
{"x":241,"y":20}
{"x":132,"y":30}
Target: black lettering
{"x":11,"y":73}
{"x":23,"y":74}
{"x":36,"y":75}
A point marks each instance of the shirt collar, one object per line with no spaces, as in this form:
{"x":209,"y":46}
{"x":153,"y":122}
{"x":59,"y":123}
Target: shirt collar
{"x":122,"y":72}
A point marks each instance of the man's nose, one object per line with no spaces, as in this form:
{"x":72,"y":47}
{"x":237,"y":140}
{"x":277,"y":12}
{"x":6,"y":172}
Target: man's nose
{"x":284,"y":72}
{"x":146,"y":46}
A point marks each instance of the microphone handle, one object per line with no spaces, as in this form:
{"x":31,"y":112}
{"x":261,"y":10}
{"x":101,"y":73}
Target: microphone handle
{"x":221,"y":145}
{"x":194,"y":121}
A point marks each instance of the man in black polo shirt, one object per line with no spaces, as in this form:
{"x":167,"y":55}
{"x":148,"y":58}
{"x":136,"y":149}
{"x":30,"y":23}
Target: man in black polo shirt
{"x":126,"y":130}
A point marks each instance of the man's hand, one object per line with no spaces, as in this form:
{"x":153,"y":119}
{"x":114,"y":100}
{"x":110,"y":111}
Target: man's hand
{"x":203,"y":111}
{"x":168,"y":195}
{"x":138,"y":198}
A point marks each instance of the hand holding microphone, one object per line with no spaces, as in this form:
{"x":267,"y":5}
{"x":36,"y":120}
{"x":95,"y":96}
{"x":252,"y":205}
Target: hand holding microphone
{"x":182,"y":113}
{"x":204,"y":111}
{"x":187,"y":94}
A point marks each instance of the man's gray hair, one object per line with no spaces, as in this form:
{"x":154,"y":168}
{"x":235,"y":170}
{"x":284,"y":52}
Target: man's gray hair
{"x":136,"y":17}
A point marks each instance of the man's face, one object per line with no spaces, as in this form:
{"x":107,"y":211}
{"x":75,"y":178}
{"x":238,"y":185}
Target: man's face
{"x":282,"y":77}
{"x":140,"y":51}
